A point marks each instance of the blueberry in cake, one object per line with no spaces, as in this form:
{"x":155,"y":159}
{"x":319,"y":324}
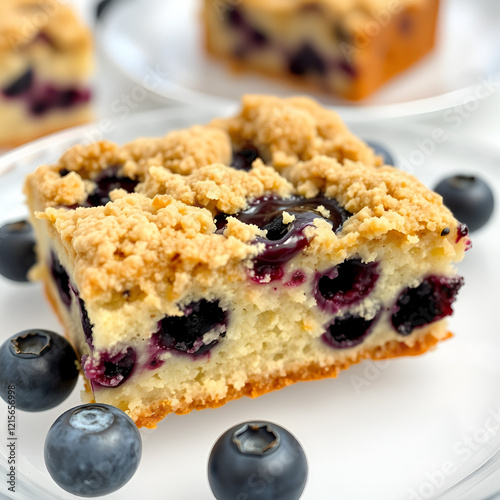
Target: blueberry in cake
{"x":45,"y":65}
{"x":239,"y":257}
{"x":343,"y":47}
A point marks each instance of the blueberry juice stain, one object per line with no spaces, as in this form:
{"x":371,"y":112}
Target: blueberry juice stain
{"x":284,"y":240}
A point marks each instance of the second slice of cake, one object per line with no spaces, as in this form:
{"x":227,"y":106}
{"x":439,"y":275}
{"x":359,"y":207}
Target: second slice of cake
{"x":239,"y":257}
{"x":46,"y":60}
{"x":347,"y":48}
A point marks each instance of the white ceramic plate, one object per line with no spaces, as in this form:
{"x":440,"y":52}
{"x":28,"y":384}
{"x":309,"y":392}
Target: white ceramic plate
{"x":163,"y":38}
{"x":405,"y":429}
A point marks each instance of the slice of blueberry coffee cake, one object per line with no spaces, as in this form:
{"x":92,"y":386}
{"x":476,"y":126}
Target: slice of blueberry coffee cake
{"x":343,"y":47}
{"x":239,"y":257}
{"x":45,"y":65}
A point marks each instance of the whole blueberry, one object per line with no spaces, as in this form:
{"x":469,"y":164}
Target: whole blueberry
{"x":382,"y":151}
{"x":17,"y":250}
{"x":469,"y":198}
{"x":257,"y":461}
{"x":39,"y":368}
{"x":92,"y":450}
{"x":101,"y":7}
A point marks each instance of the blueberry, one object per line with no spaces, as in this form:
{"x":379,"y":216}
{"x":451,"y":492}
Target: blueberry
{"x":49,"y":98}
{"x":68,"y":98}
{"x":259,"y":461}
{"x":234,"y":17}
{"x":21,"y":85}
{"x":382,"y":151}
{"x":345,"y":285}
{"x":257,"y":38}
{"x":305,"y":61}
{"x":41,"y":365}
{"x":40,"y":107}
{"x":243,"y":158}
{"x":92,"y":450}
{"x":348,"y":331}
{"x":285,"y":241}
{"x":109,"y":370}
{"x":469,"y":198}
{"x":17,"y":250}
{"x":348,"y":68}
{"x":102,"y":6}
{"x":428,"y":302}
{"x":61,"y":279}
{"x":108,"y":180}
{"x":185,"y":333}
{"x":87,"y":326}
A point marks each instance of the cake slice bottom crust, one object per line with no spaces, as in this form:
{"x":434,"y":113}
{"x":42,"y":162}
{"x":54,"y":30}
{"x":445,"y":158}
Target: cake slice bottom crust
{"x":149,"y":416}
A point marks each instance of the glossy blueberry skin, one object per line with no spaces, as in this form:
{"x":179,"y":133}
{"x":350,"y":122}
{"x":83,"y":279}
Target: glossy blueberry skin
{"x":17,"y":250}
{"x":469,"y":198}
{"x":41,"y":366}
{"x":92,"y":450}
{"x":259,"y":461}
{"x":382,"y":151}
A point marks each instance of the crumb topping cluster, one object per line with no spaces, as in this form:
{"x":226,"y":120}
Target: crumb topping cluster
{"x":24,"y":20}
{"x":295,"y":129}
{"x":152,"y":247}
{"x":163,"y":237}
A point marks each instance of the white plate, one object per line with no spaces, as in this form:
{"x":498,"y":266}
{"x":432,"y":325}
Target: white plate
{"x":163,"y":38}
{"x":378,"y":432}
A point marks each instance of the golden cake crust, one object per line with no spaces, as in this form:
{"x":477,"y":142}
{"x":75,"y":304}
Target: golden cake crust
{"x":151,"y":415}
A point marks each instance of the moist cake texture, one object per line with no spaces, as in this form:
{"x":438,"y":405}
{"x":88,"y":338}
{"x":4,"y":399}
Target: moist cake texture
{"x":238,"y":257}
{"x":45,"y":66}
{"x":347,"y":48}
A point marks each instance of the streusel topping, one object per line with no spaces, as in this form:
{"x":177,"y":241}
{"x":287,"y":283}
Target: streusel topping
{"x":156,"y":247}
{"x":163,"y":237}
{"x":217,"y":187}
{"x":293,"y":129}
{"x":21,"y":21}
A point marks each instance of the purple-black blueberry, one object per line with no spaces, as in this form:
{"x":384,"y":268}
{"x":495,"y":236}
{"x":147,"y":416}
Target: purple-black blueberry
{"x":92,"y":450}
{"x":382,"y":151}
{"x":17,"y":250}
{"x":259,"y":461}
{"x":469,"y":198}
{"x":40,"y":366}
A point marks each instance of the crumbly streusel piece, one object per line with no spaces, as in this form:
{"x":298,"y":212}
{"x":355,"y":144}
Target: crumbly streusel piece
{"x":238,"y":257}
{"x":45,"y":66}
